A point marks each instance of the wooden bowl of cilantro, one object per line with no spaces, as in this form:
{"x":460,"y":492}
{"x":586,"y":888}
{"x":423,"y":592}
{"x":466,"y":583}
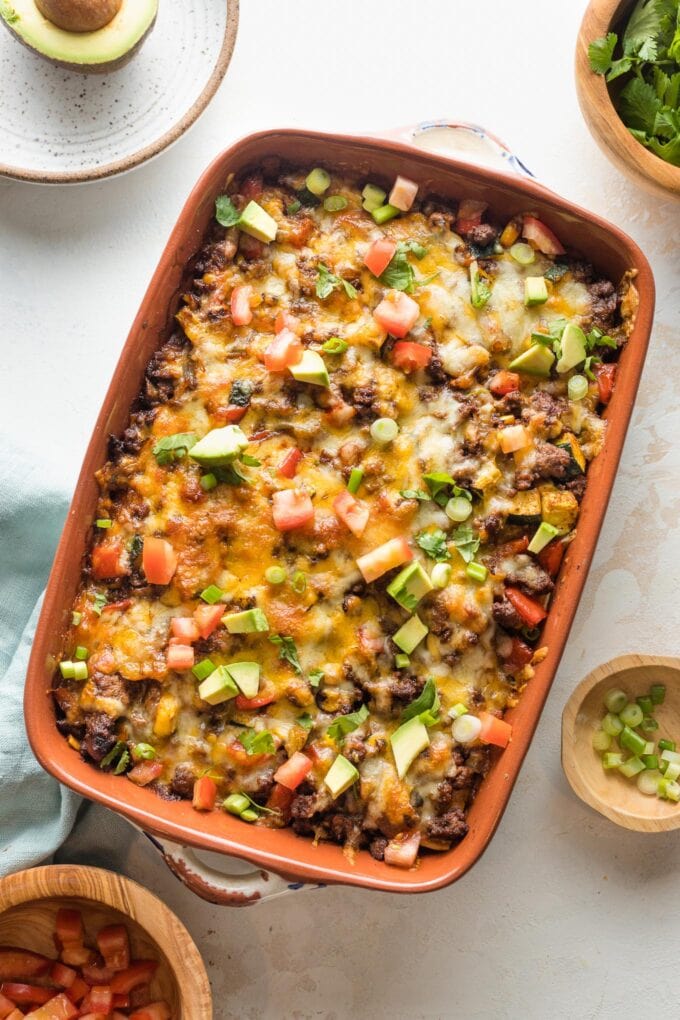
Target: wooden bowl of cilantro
{"x":628,"y":85}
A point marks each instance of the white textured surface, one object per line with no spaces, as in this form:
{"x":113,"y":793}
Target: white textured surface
{"x":565,"y":916}
{"x":56,"y":120}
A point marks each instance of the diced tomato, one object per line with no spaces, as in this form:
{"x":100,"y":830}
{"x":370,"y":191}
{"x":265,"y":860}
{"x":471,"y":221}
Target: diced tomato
{"x":17,"y":1014}
{"x":410,"y":356}
{"x":208,"y":618}
{"x":244,"y":704}
{"x":96,"y":974}
{"x":114,"y":945}
{"x":78,"y":990}
{"x":21,"y":964}
{"x":139,"y":972}
{"x":293,"y":771}
{"x":108,"y":559}
{"x":180,"y":657}
{"x":379,"y":255}
{"x":232,"y":413}
{"x":59,"y":1007}
{"x":93,"y":1016}
{"x":100,"y":1000}
{"x":62,"y":976}
{"x":520,"y":655}
{"x":185,"y":628}
{"x":397,"y":313}
{"x":402,"y":851}
{"x":205,"y":794}
{"x":154,"y":1011}
{"x":504,"y":382}
{"x":388,"y":555}
{"x":144,"y":773}
{"x":403,"y":193}
{"x":551,"y":556}
{"x":289,"y":464}
{"x":494,"y":731}
{"x":159,"y":560}
{"x":291,"y":508}
{"x":284,"y":320}
{"x":531,"y":611}
{"x":31,"y":995}
{"x":68,"y":925}
{"x":6,"y":1007}
{"x":285,"y":350}
{"x":606,"y":377}
{"x":352,"y":512}
{"x":241,"y":312}
{"x":541,"y":236}
{"x":470,"y":213}
{"x":76,"y":954}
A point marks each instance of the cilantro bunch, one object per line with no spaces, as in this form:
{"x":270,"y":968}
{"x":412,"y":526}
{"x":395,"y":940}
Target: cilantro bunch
{"x":649,"y":56}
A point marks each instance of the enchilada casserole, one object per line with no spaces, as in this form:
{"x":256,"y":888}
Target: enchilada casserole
{"x":325,"y":544}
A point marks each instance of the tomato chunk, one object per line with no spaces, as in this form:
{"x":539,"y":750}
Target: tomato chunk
{"x":293,"y":771}
{"x":244,"y":704}
{"x":606,"y":377}
{"x":68,"y":926}
{"x":531,"y":611}
{"x":95,"y":974}
{"x":139,"y":972}
{"x":154,"y":1011}
{"x":403,"y":193}
{"x":289,"y":464}
{"x":241,"y":312}
{"x":114,"y":945}
{"x":208,"y":618}
{"x":351,"y":512}
{"x":180,"y":657}
{"x":31,"y":995}
{"x":205,"y":794}
{"x":78,"y":990}
{"x":388,"y":555}
{"x":504,"y":382}
{"x":100,"y":1000}
{"x":291,"y":508}
{"x":143,"y":774}
{"x":159,"y":560}
{"x":185,"y":628}
{"x":410,"y":356}
{"x":470,"y":213}
{"x":62,"y":976}
{"x":108,"y":560}
{"x":6,"y":1007}
{"x":401,"y":852}
{"x":494,"y":731}
{"x":541,"y":236}
{"x":379,"y":255}
{"x":21,"y":964}
{"x":59,"y":1007}
{"x":280,"y":799}
{"x":397,"y":313}
{"x":285,"y":350}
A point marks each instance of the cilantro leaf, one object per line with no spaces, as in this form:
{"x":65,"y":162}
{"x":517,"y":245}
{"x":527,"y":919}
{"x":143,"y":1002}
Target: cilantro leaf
{"x":465,"y":542}
{"x":327,"y":282}
{"x":480,"y":291}
{"x":100,"y":600}
{"x":226,"y":212}
{"x":168,"y":449}
{"x":399,"y":274}
{"x":434,"y":544}
{"x":305,"y":720}
{"x":601,"y":51}
{"x":119,"y":756}
{"x":315,"y":676}
{"x":257,"y":742}
{"x":426,"y":705}
{"x":643,"y":30}
{"x":414,"y":494}
{"x":639,"y":105}
{"x":287,"y":650}
{"x":345,"y":724}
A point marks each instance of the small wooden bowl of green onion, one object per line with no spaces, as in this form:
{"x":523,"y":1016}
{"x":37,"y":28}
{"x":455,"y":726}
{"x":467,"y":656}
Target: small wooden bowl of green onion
{"x":621,"y":742}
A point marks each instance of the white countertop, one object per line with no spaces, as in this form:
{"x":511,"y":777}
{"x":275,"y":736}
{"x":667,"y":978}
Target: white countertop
{"x":565,"y":915}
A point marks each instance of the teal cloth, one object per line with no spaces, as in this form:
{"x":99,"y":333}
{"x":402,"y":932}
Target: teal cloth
{"x":36,"y":812}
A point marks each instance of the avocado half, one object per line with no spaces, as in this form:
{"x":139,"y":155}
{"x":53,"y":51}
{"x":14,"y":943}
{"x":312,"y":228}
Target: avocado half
{"x":103,"y":49}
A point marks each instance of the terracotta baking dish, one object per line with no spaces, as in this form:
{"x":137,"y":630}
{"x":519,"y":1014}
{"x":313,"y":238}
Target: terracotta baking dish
{"x":281,"y":850}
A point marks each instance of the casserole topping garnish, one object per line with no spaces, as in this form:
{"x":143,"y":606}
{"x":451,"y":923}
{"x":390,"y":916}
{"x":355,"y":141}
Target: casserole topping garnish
{"x":336,"y":515}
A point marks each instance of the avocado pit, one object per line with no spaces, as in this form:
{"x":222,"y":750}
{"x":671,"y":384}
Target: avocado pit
{"x":79,"y":15}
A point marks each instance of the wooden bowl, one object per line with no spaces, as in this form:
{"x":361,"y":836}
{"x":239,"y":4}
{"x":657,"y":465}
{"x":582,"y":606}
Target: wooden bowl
{"x":29,"y":901}
{"x":606,"y":127}
{"x":610,"y":793}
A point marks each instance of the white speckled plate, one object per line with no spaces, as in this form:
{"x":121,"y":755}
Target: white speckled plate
{"x":59,"y":126}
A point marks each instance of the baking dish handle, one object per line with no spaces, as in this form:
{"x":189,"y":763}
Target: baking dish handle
{"x":469,"y":142}
{"x":242,"y":889}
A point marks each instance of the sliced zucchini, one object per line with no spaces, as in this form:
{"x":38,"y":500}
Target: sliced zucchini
{"x":526,"y":508}
{"x":577,"y":463}
{"x":559,"y":508}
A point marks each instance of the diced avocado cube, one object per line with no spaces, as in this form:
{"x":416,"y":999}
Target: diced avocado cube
{"x":543,"y":535}
{"x":373,"y":197}
{"x":407,"y":743}
{"x":254,"y":220}
{"x":409,"y":586}
{"x":537,"y":360}
{"x":340,"y":776}
{"x":218,"y":687}
{"x":219,"y":446}
{"x":250,"y":621}
{"x":573,"y":345}
{"x":311,"y":368}
{"x":535,"y":291}
{"x":247,"y":677}
{"x":410,"y":634}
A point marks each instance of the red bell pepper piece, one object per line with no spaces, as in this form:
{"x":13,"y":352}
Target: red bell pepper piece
{"x":531,"y":611}
{"x":551,"y":556}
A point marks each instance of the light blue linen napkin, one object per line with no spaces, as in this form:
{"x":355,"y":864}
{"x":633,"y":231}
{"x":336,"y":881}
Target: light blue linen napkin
{"x":36,"y":812}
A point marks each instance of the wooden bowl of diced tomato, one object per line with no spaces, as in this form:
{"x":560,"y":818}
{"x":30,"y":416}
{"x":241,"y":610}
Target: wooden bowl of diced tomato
{"x":86,"y":943}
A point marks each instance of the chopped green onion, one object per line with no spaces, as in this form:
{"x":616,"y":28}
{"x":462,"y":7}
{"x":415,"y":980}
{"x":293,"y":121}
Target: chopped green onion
{"x":458,"y":710}
{"x":663,"y":765}
{"x":334,"y":203}
{"x":203,"y":669}
{"x":577,"y":387}
{"x":543,"y":536}
{"x":657,"y":693}
{"x":249,"y":815}
{"x":104,"y":522}
{"x":649,"y":724}
{"x":673,"y":771}
{"x":66,"y":668}
{"x":80,"y":671}
{"x":402,"y":661}
{"x":612,"y":725}
{"x":666,"y":745}
{"x":318,"y":181}
{"x":466,"y":728}
{"x":477,"y":571}
{"x":612,"y":761}
{"x":632,"y":741}
{"x":441,"y":575}
{"x":646,"y":705}
{"x":212,"y":594}
{"x":335,"y":346}
{"x":651,"y":761}
{"x":631,"y":715}
{"x":671,"y":756}
{"x":671,"y":790}
{"x":373,"y":197}
{"x":144,"y":752}
{"x":208,"y":482}
{"x":648,"y":782}
{"x":293,"y":207}
{"x":631,"y":768}
{"x":356,"y":477}
{"x":650,"y":747}
{"x":76,"y":619}
{"x":615,"y":700}
{"x":275,"y":575}
{"x":523,"y":253}
{"x":384,"y":430}
{"x":236,"y":803}
{"x":384,"y":213}
{"x":458,"y":509}
{"x":81,"y":652}
{"x":298,"y":582}
{"x":601,"y":740}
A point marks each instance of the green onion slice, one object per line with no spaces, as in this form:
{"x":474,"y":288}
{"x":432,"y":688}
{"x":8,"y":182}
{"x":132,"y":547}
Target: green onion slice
{"x":275,"y":575}
{"x":458,"y":509}
{"x":334,"y":203}
{"x":577,"y":387}
{"x":384,"y":430}
{"x":523,"y":253}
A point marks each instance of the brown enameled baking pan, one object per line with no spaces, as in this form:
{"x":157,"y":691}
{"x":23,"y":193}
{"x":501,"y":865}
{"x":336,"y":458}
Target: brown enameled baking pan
{"x":281,"y":850}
